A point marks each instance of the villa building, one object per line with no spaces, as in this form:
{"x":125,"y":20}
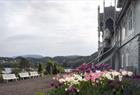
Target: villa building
{"x":119,"y":35}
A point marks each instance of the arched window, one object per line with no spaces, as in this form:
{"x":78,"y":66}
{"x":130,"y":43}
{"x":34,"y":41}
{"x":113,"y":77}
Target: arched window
{"x":101,"y":24}
{"x":127,"y":59}
{"x":130,"y":20}
{"x":122,"y":59}
{"x":109,"y":24}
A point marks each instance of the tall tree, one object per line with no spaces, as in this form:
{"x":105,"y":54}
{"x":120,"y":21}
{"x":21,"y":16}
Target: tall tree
{"x":49,"y":67}
{"x":40,"y":68}
{"x":55,"y":69}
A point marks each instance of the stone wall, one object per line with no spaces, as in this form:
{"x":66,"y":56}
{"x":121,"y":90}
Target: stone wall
{"x":132,"y":50}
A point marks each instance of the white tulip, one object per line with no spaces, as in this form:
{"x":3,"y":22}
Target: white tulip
{"x":130,"y":73}
{"x":61,"y":80}
{"x":108,"y":75}
{"x":78,"y":90}
{"x":120,"y":77}
{"x":124,"y":73}
{"x":115,"y":73}
{"x":66,"y":89}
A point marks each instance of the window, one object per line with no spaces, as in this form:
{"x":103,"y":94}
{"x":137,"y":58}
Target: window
{"x":122,"y":65}
{"x":127,"y":59}
{"x":116,"y":37}
{"x":123,"y":33}
{"x":101,"y":36}
{"x":119,"y":36}
{"x":109,"y":24}
{"x":130,"y":21}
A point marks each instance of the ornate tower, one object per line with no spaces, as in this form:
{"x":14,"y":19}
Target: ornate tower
{"x":106,"y":24}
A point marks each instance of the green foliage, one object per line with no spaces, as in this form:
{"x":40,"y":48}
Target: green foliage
{"x":29,"y":64}
{"x":40,"y":93}
{"x":1,"y":78}
{"x":15,"y":65}
{"x":1,"y":66}
{"x":0,"y":70}
{"x":53,"y":68}
{"x":24,"y":63}
{"x":50,"y":63}
{"x":74,"y":61}
{"x":60,"y":69}
{"x":40,"y":68}
{"x":58,"y":91}
{"x":134,"y":88}
{"x":57,"y":69}
{"x":49,"y":67}
{"x":64,"y":61}
{"x":16,"y":71}
{"x":106,"y":87}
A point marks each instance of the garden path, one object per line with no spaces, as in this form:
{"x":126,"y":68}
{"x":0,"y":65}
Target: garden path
{"x":26,"y":87}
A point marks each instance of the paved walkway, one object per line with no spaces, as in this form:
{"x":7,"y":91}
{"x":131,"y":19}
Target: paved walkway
{"x":25,"y":87}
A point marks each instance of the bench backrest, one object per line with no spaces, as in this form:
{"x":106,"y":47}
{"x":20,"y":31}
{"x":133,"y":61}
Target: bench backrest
{"x":24,"y":75}
{"x":34,"y":73}
{"x":9,"y":76}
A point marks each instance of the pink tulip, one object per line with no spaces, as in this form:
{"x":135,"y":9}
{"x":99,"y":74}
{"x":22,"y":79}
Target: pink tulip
{"x":87,"y":76}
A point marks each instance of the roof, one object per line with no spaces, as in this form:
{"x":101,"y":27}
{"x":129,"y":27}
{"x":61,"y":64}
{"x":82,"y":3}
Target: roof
{"x":125,"y":5}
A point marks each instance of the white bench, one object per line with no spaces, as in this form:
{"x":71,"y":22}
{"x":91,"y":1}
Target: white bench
{"x":24,"y":75}
{"x":34,"y":74}
{"x":9,"y":77}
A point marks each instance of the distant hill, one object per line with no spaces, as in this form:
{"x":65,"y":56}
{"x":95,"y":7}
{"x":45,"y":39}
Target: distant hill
{"x":65,"y":61}
{"x":32,"y":56}
{"x":74,"y":61}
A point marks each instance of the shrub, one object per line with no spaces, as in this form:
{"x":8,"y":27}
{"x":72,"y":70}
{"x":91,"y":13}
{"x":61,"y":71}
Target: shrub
{"x":53,"y":68}
{"x":16,"y":71}
{"x":40,"y":93}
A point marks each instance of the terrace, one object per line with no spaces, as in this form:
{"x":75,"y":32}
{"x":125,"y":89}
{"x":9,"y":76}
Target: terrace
{"x":26,"y":87}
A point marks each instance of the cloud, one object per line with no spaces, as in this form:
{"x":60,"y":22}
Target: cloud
{"x":48,"y":27}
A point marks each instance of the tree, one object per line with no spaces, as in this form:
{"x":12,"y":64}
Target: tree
{"x":16,"y":71}
{"x":55,"y":70}
{"x":60,"y":69}
{"x":65,"y":64}
{"x":24,"y":63}
{"x":49,"y":67}
{"x":1,"y":66}
{"x":14,"y":65}
{"x":40,"y":68}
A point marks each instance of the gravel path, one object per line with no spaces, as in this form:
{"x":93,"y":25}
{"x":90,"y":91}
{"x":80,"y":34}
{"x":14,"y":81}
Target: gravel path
{"x":26,"y":87}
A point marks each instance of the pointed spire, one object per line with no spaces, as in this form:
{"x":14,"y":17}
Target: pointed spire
{"x":98,"y":8}
{"x":110,"y":3}
{"x":104,"y":4}
{"x":115,"y":3}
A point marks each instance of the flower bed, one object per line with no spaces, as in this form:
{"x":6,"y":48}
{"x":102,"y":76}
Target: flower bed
{"x":95,"y":83}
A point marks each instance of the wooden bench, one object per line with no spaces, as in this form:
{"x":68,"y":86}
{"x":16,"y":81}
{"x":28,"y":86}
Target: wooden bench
{"x":9,"y":77}
{"x":24,"y":75}
{"x":34,"y":74}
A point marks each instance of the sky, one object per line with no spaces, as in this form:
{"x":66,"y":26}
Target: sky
{"x":48,"y":27}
